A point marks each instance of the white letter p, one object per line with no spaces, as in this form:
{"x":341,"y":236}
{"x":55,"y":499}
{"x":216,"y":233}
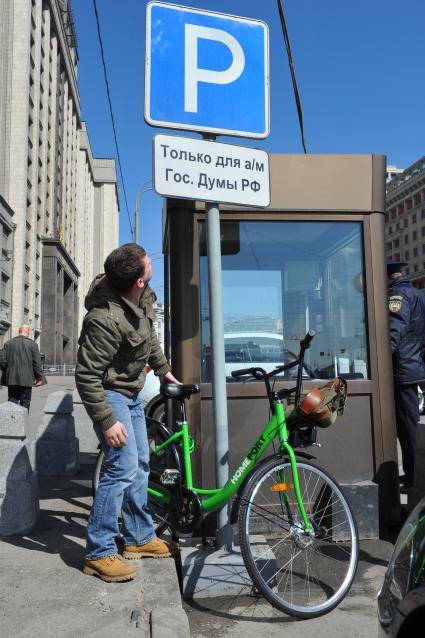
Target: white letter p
{"x":193,"y":75}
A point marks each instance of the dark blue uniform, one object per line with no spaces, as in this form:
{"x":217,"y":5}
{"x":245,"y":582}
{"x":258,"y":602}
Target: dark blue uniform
{"x":407,"y":329}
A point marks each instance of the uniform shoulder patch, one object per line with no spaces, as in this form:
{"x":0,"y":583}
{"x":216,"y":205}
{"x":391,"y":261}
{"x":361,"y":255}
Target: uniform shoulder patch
{"x":395,"y":303}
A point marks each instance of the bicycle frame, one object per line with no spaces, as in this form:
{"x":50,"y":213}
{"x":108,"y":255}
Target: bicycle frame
{"x":216,"y":498}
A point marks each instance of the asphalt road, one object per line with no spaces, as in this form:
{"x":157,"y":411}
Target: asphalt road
{"x":250,"y":617}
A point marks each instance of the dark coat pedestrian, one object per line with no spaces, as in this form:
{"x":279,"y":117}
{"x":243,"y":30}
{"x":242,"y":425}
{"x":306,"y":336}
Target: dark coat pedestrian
{"x":406,"y":305}
{"x":21,"y":366}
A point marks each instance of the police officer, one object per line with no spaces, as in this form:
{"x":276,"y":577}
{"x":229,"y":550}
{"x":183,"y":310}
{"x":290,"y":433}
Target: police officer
{"x":407,"y":331}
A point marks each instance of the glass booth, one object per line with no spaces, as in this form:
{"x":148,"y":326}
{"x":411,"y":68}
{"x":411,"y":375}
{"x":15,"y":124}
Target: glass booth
{"x":314,"y":260}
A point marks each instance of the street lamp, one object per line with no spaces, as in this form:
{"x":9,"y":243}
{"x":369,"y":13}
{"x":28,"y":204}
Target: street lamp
{"x":146,"y":186}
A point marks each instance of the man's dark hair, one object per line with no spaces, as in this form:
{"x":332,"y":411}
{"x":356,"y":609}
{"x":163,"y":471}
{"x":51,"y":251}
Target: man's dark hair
{"x":124,"y":266}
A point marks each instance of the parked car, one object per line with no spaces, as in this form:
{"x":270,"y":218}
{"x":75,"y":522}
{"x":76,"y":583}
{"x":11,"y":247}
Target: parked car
{"x":401,"y":600}
{"x":259,"y":349}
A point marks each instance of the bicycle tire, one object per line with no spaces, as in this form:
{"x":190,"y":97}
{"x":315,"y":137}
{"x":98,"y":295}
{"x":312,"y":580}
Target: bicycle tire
{"x":302,"y":575}
{"x":169,"y":458}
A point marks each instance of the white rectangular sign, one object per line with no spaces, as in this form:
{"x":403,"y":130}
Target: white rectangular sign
{"x":210,"y":171}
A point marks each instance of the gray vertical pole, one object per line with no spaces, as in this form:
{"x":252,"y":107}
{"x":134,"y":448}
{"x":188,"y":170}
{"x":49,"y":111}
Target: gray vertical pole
{"x":224,"y":530}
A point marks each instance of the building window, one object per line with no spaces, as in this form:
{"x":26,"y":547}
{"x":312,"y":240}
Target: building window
{"x":5,"y":287}
{"x":414,"y":218}
{"x":415,"y":235}
{"x":406,"y":221}
{"x":279,"y":280}
{"x":406,"y":255}
{"x":415,"y":252}
{"x":26,"y":298}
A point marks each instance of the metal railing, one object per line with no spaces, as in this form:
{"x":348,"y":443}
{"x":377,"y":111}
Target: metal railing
{"x":59,"y":369}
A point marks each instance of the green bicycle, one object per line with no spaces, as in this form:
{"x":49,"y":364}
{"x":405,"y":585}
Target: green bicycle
{"x":297,"y":534}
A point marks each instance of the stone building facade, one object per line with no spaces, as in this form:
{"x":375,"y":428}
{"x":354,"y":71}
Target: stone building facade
{"x":59,"y":206}
{"x":405,"y":221}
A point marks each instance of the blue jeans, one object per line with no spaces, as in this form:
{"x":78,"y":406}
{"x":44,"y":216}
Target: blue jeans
{"x":123,"y":484}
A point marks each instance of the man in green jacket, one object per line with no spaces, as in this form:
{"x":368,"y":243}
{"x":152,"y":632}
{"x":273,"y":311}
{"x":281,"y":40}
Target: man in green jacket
{"x":20,"y":362}
{"x":116,"y":343}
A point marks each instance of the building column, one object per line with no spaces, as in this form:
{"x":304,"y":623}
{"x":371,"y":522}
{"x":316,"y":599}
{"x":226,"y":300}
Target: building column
{"x":68,"y":321}
{"x":59,"y":332}
{"x":48,"y":300}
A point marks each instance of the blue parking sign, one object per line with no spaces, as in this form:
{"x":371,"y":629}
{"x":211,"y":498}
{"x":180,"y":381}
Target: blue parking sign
{"x":206,"y":71}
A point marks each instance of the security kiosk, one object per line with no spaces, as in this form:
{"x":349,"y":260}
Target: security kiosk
{"x":314,"y":259}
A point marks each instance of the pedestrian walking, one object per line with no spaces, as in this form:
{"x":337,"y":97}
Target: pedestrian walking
{"x":406,"y":305}
{"x":117,"y":341}
{"x":20,"y":362}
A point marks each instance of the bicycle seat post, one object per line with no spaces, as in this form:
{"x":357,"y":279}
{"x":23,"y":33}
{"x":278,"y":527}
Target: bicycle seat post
{"x":182,"y":410}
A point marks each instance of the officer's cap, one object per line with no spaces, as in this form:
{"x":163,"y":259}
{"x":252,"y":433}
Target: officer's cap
{"x":395,"y":266}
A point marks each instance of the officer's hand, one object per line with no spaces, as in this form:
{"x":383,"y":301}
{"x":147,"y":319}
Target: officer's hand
{"x":116,"y":435}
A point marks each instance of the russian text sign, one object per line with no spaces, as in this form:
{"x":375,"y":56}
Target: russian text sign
{"x":210,"y":171}
{"x":206,"y":71}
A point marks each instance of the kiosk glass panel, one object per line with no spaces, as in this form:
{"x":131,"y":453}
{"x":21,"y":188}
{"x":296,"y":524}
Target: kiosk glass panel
{"x":280,"y":279}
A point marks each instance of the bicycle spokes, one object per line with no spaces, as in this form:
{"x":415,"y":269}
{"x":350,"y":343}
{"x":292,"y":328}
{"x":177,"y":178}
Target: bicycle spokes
{"x":304,"y":573}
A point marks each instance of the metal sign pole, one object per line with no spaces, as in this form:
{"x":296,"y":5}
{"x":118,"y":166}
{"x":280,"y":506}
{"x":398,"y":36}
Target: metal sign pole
{"x":219,"y":393}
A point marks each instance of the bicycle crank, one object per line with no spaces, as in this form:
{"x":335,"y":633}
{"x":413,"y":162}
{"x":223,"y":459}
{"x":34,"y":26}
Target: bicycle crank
{"x":185,"y":511}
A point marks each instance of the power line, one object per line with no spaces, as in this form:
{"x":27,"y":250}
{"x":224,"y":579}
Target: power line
{"x":112,"y":116}
{"x":291,"y":67}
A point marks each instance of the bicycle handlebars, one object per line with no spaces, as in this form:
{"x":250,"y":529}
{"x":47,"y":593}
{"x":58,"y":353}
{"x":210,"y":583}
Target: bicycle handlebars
{"x":305,"y":343}
{"x":258,"y":373}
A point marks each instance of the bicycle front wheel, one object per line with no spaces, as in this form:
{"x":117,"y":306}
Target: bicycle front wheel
{"x":303,"y":574}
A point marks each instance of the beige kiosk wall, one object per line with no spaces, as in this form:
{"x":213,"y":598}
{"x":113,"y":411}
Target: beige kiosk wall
{"x":359,"y":450}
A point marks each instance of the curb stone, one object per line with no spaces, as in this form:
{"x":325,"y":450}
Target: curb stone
{"x":169,"y":623}
{"x":162,"y":599}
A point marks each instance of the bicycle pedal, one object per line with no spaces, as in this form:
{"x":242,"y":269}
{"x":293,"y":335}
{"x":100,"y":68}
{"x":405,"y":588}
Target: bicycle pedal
{"x":169,"y":477}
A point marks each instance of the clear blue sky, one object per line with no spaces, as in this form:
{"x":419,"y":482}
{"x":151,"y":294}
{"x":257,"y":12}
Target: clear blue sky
{"x":359,"y":67}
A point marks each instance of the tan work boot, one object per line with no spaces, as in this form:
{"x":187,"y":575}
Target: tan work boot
{"x":156,"y":548}
{"x":112,"y":569}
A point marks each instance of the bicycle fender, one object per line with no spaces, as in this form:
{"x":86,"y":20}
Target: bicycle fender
{"x":234,"y":512}
{"x":167,"y":435}
{"x":165,"y":431}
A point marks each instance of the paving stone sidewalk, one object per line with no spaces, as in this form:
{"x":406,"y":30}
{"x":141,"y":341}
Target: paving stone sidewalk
{"x":43,"y":592}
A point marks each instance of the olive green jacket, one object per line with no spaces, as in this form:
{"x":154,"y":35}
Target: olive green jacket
{"x":116,"y":343}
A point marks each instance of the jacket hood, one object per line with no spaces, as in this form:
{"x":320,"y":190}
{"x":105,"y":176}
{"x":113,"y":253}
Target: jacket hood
{"x":102,"y":294}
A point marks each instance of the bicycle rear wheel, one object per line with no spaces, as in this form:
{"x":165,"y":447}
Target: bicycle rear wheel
{"x":304,"y":575}
{"x":168,"y":458}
